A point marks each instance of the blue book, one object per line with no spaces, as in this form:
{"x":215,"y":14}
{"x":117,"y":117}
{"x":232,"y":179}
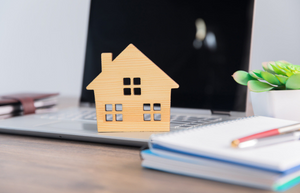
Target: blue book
{"x":273,"y":167}
{"x":219,"y":171}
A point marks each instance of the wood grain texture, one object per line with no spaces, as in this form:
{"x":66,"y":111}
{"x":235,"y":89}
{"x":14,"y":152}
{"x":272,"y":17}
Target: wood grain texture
{"x":109,"y":88}
{"x":29,"y":164}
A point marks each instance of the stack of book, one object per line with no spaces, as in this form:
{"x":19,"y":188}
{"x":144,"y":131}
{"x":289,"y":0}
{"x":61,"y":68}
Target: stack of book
{"x":14,"y":105}
{"x":206,"y":152}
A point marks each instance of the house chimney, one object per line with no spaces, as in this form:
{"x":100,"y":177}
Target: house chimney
{"x":106,"y":59}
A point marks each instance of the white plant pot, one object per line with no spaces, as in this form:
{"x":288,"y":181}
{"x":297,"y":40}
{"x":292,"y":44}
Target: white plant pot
{"x":282,"y":104}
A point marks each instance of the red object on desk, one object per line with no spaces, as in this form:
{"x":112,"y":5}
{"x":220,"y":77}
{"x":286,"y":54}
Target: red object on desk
{"x":268,"y":133}
{"x":260,"y":135}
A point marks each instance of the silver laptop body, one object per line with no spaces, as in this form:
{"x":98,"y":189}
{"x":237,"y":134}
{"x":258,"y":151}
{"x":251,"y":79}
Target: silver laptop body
{"x":79,"y":124}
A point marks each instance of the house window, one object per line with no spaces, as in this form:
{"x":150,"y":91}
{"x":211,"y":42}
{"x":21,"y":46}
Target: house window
{"x":137,"y":91}
{"x":119,"y":117}
{"x":127,"y":82}
{"x":114,"y":112}
{"x":157,"y":117}
{"x":119,"y":107}
{"x":108,"y":107}
{"x":127,"y":91}
{"x":147,"y":117}
{"x":137,"y":81}
{"x":147,"y":107}
{"x":109,"y":117}
{"x":156,"y":106}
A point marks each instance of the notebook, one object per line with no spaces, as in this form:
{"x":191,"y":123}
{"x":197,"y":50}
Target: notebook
{"x":213,"y":142}
{"x":206,"y":152}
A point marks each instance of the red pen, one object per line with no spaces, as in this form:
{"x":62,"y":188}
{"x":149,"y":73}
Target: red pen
{"x":268,"y":133}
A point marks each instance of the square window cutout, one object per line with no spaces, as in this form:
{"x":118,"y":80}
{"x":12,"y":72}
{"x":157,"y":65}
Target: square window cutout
{"x":156,"y":106}
{"x":127,"y":91}
{"x":137,"y":91}
{"x":157,"y":117}
{"x":136,"y":81}
{"x":119,"y":117}
{"x":147,"y":117}
{"x":119,"y":107}
{"x":108,"y":107}
{"x":146,"y":107}
{"x":126,"y":81}
{"x":108,"y":117}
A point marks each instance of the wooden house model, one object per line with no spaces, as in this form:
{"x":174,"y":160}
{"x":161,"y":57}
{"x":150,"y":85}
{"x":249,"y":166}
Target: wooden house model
{"x":132,"y":93}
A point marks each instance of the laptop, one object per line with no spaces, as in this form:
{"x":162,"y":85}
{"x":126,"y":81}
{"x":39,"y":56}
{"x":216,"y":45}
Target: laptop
{"x":199,"y":44}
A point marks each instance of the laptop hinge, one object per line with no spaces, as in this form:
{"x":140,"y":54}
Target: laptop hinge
{"x":220,"y":112}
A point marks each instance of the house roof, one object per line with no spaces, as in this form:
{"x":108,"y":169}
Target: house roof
{"x":133,"y":60}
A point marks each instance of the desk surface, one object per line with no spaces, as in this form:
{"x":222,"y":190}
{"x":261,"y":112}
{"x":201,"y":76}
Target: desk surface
{"x":31,"y":164}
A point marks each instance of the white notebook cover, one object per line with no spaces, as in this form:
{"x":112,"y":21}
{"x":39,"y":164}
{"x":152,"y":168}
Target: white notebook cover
{"x":214,"y":142}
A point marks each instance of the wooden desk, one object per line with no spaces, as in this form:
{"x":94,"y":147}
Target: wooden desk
{"x":31,"y":164}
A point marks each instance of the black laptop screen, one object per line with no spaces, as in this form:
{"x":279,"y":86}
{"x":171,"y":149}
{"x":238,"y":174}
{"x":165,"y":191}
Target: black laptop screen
{"x":199,"y":44}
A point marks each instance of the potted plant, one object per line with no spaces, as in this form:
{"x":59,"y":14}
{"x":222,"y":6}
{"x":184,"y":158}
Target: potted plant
{"x":275,"y":90}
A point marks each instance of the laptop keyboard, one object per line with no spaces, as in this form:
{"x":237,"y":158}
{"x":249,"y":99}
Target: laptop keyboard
{"x":184,"y":121}
{"x":176,"y":121}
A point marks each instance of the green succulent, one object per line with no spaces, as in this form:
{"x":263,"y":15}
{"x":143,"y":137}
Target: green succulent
{"x":279,"y":75}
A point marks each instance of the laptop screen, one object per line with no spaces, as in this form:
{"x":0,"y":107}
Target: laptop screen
{"x":199,"y":44}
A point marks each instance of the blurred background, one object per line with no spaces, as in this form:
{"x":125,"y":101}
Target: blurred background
{"x":42,"y":43}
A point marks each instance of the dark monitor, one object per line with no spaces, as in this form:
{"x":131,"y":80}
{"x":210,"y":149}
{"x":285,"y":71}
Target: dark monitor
{"x":199,"y":44}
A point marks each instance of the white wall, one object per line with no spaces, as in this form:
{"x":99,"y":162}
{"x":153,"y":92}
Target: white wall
{"x":42,"y":45}
{"x":276,"y":33}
